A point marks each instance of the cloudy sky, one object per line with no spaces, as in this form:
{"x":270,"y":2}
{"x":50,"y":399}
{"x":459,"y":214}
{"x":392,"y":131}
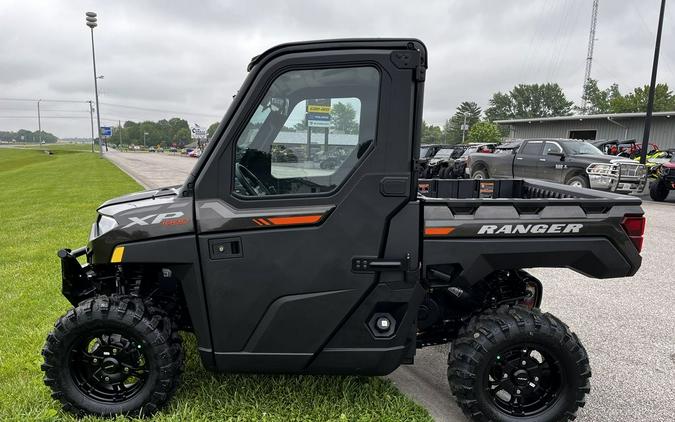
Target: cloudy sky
{"x":166,"y":58}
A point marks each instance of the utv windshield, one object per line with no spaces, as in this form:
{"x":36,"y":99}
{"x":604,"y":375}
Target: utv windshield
{"x":444,"y":153}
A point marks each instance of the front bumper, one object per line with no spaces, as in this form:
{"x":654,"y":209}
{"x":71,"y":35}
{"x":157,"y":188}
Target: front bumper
{"x":75,"y":283}
{"x":624,"y":177}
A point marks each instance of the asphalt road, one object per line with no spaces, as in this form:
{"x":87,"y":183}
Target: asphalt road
{"x":626,"y":325}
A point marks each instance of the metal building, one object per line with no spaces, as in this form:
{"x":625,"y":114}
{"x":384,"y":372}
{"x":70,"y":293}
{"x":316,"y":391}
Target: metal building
{"x":621,"y":126}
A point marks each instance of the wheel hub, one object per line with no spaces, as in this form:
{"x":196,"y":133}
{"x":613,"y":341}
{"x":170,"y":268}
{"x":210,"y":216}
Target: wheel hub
{"x":108,"y":367}
{"x":524,"y":381}
{"x":521,"y":377}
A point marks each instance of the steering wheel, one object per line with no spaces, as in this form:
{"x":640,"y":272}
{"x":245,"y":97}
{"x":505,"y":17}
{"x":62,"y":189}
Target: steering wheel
{"x":250,"y":181}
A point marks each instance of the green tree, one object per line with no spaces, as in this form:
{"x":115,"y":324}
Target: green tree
{"x":485,"y":132}
{"x":453,"y":126}
{"x":610,"y":100}
{"x":636,"y":101}
{"x":431,"y":134}
{"x":301,"y":126}
{"x":182,"y":137}
{"x":28,"y":136}
{"x":343,"y":118}
{"x":597,"y":100}
{"x":529,"y":100}
{"x":212,"y":129}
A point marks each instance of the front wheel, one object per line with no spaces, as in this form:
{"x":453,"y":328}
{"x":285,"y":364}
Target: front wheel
{"x":479,"y":174}
{"x":512,"y":364}
{"x":111,"y":356}
{"x":658,"y":191}
{"x":578,"y":181}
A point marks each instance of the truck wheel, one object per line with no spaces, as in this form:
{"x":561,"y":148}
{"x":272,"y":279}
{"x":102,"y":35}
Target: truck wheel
{"x":479,"y":174}
{"x":512,"y":364}
{"x":113,"y":355}
{"x":658,"y":191}
{"x":578,"y":181}
{"x":443,"y":174}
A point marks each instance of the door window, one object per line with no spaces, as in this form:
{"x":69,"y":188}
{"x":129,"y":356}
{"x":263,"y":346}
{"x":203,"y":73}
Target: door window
{"x":309,"y":132}
{"x":532,"y":148}
{"x":551,"y":147}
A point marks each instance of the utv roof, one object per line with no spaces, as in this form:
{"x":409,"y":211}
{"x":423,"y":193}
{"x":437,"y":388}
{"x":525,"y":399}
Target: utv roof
{"x":342,"y":44}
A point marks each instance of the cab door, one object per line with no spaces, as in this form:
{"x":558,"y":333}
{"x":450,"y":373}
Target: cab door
{"x":551,"y":165}
{"x":295,"y":198}
{"x":526,"y":163}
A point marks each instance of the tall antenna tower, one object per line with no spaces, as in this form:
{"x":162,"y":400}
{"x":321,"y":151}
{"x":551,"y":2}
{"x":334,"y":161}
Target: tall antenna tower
{"x":589,"y":54}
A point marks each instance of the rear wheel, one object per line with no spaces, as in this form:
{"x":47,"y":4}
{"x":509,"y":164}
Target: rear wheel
{"x":479,"y":174}
{"x":113,"y":355}
{"x":578,"y":181}
{"x":513,"y":364}
{"x":658,"y":191}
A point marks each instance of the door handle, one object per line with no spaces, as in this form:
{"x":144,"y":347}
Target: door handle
{"x":519,"y":158}
{"x":225,"y":248}
{"x":542,"y":159}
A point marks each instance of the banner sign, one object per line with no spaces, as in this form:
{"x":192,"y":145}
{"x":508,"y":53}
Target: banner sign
{"x":197,"y":132}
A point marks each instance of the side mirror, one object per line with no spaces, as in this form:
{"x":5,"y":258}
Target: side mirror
{"x":557,"y":154}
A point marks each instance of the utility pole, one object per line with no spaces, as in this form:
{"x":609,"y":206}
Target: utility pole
{"x":91,"y":23}
{"x":91,"y":119}
{"x":464,"y":127}
{"x":39,"y":122}
{"x":652,"y":87}
{"x":119,"y":127}
{"x":589,"y":54}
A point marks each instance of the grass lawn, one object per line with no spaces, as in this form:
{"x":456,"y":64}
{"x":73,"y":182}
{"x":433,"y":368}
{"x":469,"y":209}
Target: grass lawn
{"x":48,"y":202}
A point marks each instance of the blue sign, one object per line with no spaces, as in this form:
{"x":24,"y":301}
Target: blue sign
{"x":318,"y":116}
{"x":106,"y":131}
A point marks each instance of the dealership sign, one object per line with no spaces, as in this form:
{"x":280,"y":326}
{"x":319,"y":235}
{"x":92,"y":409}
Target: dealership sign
{"x":197,"y":132}
{"x":318,"y":112}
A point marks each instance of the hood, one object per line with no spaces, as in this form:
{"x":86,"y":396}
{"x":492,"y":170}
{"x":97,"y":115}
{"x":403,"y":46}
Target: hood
{"x":139,"y":196}
{"x":608,"y":159}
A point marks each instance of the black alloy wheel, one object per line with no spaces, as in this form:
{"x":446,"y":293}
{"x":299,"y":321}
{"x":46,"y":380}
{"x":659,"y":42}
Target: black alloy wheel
{"x":109,"y":366}
{"x":524,"y":380}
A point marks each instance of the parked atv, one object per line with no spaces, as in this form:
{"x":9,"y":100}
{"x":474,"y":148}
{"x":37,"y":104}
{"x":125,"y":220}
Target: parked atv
{"x":442,"y":164}
{"x":427,"y":152}
{"x":665,"y":181}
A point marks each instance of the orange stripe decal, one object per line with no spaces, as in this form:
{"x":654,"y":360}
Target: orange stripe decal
{"x":300,"y":219}
{"x":438,"y":231}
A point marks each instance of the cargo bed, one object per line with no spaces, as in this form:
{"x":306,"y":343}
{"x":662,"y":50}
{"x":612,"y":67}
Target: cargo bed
{"x":480,"y":226}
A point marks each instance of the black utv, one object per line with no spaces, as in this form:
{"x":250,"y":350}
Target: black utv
{"x":287,"y":267}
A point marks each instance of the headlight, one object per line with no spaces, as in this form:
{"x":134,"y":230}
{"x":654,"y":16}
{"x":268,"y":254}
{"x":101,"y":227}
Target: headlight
{"x":601,"y":169}
{"x":105,"y":224}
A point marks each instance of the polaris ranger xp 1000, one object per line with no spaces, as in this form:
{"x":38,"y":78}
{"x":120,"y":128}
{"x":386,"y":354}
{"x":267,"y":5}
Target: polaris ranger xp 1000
{"x":282,"y":266}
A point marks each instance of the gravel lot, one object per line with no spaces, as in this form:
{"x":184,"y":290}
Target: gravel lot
{"x":626,"y":324}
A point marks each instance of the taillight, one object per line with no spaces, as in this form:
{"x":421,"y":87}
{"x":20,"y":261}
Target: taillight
{"x":634,"y":226}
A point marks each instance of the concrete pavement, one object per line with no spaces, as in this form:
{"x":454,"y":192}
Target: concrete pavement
{"x":627,"y":325}
{"x":153,"y":169}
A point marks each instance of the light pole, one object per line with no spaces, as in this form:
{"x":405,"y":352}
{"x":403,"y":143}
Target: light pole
{"x":91,"y":23}
{"x":144,"y":135}
{"x":652,"y":88}
{"x":464,"y":126}
{"x":39,"y":122}
{"x":91,"y":118}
